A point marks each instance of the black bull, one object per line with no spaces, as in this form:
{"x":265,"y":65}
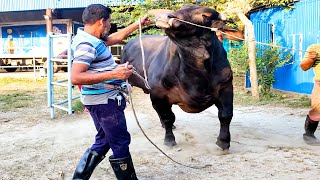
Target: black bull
{"x":188,"y":67}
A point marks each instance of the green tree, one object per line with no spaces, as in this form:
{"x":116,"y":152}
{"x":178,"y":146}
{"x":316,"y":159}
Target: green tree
{"x":268,"y":60}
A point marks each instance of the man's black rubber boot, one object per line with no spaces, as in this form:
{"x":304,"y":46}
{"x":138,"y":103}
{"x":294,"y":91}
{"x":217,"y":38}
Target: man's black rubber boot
{"x":123,"y":168}
{"x":87,"y":164}
{"x":310,"y":127}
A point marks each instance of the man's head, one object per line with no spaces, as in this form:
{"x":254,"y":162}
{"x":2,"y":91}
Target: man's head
{"x":98,"y":15}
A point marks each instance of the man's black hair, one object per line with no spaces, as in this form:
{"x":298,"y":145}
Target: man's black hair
{"x":95,"y":12}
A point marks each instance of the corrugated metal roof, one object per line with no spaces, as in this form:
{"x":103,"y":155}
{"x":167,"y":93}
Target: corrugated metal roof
{"x":25,"y":5}
{"x":85,"y":3}
{"x":21,"y":5}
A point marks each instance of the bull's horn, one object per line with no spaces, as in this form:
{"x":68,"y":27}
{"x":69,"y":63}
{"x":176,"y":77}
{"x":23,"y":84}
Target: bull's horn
{"x":222,"y":17}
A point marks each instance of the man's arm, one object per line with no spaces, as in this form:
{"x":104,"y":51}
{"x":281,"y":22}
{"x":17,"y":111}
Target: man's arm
{"x":79,"y":74}
{"x":121,"y":35}
{"x":308,"y":60}
{"x":83,"y":57}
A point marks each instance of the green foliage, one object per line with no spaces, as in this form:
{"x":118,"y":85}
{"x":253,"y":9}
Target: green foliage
{"x":268,"y":59}
{"x":270,"y":3}
{"x":77,"y":106}
{"x":238,"y":58}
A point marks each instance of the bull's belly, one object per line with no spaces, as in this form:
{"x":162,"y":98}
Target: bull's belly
{"x":194,"y":108}
{"x":190,"y":104}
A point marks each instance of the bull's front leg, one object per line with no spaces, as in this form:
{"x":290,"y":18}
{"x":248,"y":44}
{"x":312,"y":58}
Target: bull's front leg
{"x":167,"y":118}
{"x":225,"y":113}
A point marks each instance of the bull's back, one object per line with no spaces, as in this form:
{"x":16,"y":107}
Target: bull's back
{"x":151,"y":45}
{"x":155,"y":50}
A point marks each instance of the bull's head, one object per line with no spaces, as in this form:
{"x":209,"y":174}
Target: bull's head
{"x":175,"y":22}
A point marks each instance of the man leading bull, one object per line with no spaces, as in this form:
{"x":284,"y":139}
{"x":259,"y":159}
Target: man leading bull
{"x":103,"y":85}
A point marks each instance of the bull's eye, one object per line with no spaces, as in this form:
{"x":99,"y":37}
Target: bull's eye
{"x":206,"y":19}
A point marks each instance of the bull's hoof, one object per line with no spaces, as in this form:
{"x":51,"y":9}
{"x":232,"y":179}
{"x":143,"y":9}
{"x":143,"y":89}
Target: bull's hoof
{"x":223,"y":145}
{"x":311,"y":140}
{"x":170,"y":143}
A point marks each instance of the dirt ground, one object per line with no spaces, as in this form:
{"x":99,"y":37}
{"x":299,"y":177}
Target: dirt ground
{"x":266,"y":144}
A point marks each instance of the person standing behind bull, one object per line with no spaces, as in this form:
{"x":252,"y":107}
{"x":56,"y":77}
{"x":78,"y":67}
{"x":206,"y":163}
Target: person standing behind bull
{"x":312,"y":59}
{"x":94,"y":68}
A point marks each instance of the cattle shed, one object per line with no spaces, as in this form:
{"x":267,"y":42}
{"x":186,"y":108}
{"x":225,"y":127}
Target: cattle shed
{"x":295,"y":28}
{"x":23,"y":28}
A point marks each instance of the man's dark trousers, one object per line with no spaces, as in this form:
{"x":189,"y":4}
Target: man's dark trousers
{"x":112,"y":130}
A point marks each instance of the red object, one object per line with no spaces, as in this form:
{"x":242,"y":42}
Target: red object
{"x":79,"y":86}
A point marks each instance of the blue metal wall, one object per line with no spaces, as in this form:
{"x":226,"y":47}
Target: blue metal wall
{"x":297,"y":28}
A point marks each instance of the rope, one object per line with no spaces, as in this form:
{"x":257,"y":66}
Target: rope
{"x":266,"y":44}
{"x":205,"y":27}
{"x":143,"y":57}
{"x":143,"y":79}
{"x":216,"y":29}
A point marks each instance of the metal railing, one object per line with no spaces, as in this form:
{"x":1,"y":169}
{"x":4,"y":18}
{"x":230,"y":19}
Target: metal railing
{"x":63,"y":83}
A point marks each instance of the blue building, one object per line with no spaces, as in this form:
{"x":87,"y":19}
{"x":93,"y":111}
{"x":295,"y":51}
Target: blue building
{"x":23,"y":26}
{"x":22,"y":10}
{"x":295,"y":28}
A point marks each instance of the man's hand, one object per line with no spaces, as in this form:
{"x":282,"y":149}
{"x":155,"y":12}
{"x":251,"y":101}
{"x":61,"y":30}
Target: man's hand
{"x":123,"y":71}
{"x":312,"y":55}
{"x":145,"y":21}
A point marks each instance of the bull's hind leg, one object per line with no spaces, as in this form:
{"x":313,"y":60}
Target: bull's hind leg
{"x":225,"y":108}
{"x":167,"y":118}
